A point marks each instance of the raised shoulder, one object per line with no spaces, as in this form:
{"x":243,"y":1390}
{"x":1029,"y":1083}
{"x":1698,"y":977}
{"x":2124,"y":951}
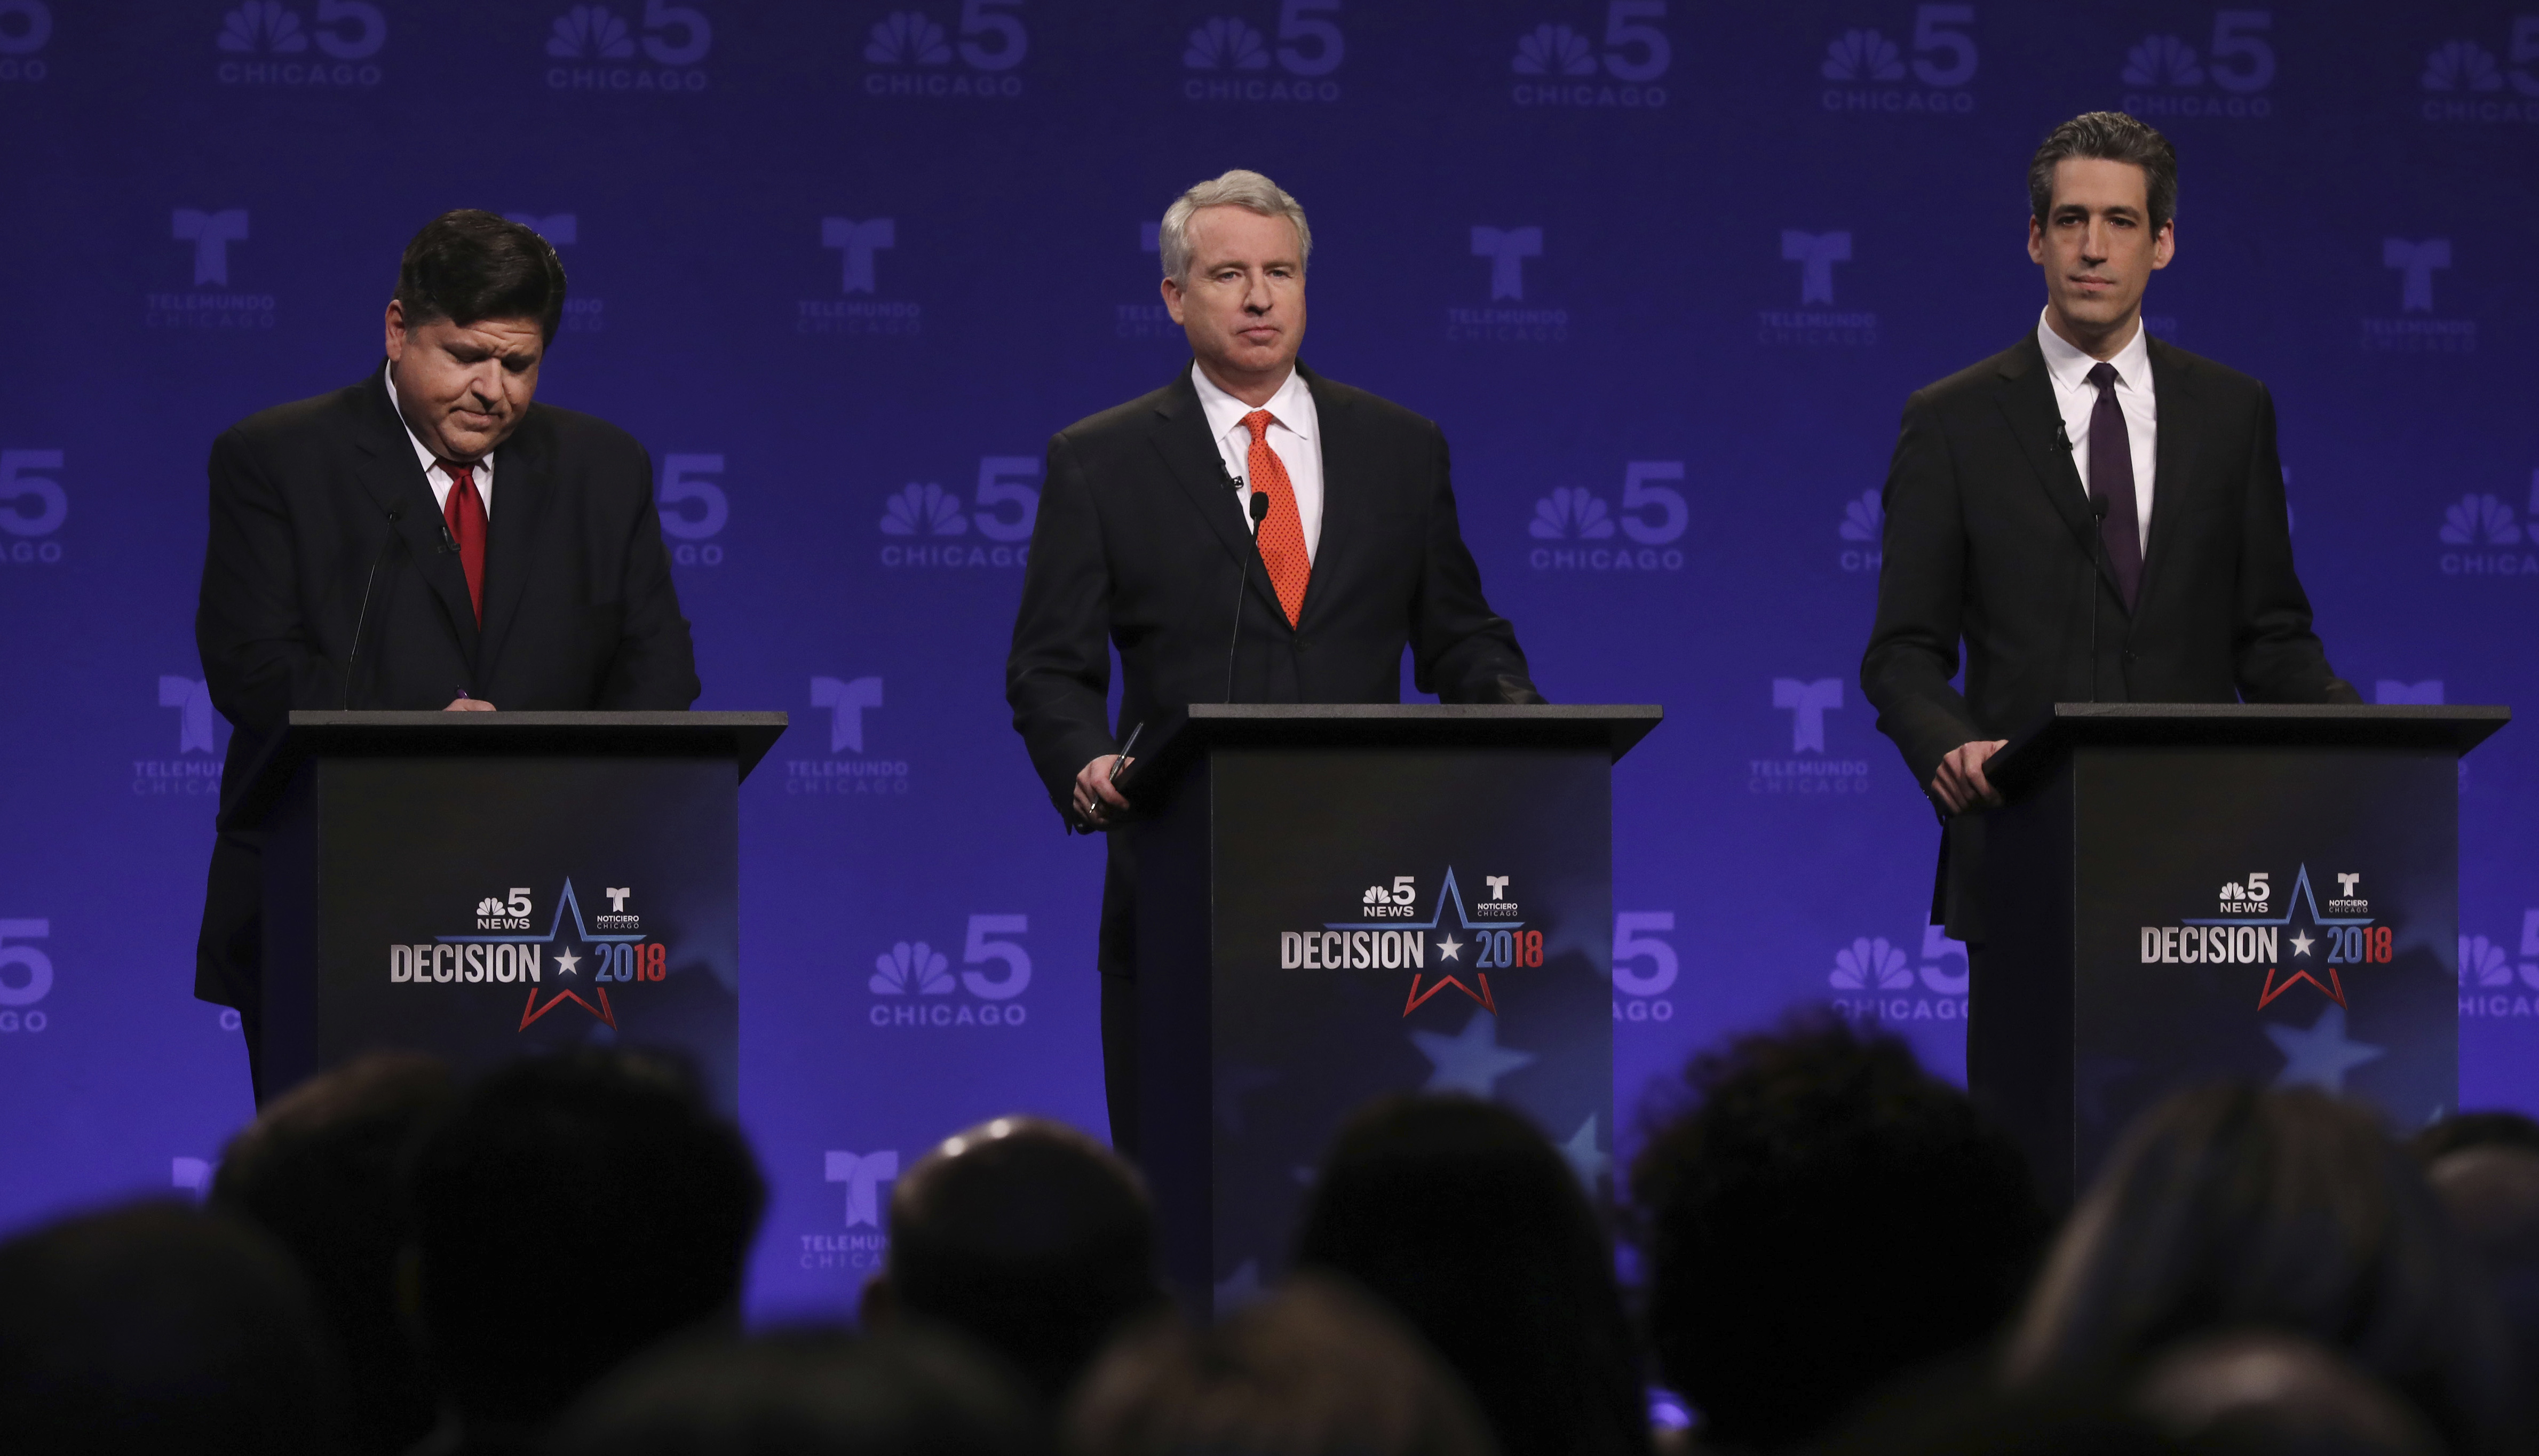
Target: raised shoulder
{"x":1978,"y":380}
{"x":569,"y":438}
{"x":1136,"y":419}
{"x":331,"y":414}
{"x":2209,"y":379}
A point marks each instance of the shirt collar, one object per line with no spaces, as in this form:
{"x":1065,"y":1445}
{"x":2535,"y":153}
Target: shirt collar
{"x":429,"y":461}
{"x":1293,"y":406}
{"x":2071,"y":367}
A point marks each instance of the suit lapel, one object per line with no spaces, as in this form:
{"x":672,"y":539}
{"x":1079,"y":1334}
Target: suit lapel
{"x":524,"y":488}
{"x":393,"y":479}
{"x":1344,"y":493}
{"x":1189,"y":456}
{"x":2025,"y":394}
{"x":2172,"y":383}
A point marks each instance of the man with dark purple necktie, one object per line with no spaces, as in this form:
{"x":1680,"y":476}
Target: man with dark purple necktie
{"x":2096,"y":515}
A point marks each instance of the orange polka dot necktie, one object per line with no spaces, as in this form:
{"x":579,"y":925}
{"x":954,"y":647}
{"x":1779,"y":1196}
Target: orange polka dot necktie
{"x":1282,"y":530}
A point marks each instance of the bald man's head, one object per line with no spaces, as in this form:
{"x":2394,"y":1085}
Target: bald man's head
{"x":1027,"y":1235}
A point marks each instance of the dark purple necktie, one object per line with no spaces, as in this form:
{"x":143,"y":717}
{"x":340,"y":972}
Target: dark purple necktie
{"x":2111,"y":479}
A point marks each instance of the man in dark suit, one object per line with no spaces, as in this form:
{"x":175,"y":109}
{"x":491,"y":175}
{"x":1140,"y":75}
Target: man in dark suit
{"x":1147,"y":521}
{"x":361,"y":556}
{"x":2098,"y":515}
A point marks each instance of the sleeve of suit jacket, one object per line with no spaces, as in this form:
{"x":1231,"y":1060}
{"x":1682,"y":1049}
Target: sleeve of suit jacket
{"x":256,"y":650}
{"x":2276,"y":657}
{"x":1921,"y":595}
{"x":1461,"y":651}
{"x":1058,"y":673}
{"x":655,"y":667}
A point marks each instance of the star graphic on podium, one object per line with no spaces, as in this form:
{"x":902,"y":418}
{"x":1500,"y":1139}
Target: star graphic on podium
{"x":1584,"y":1159}
{"x":1471,"y":1060}
{"x":1448,"y":948}
{"x":2303,"y":944}
{"x":566,"y":963}
{"x":2321,"y":1056}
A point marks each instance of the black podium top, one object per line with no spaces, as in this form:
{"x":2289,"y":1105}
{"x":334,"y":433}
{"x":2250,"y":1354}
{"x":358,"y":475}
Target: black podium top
{"x":1615,"y":728}
{"x":2074,"y":726}
{"x":743,"y":737}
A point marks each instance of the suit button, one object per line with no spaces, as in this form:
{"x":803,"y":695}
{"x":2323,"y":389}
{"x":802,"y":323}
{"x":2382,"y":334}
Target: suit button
{"x":1302,"y":644}
{"x":2129,"y":656}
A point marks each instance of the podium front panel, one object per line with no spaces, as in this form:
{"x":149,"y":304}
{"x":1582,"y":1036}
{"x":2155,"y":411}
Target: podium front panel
{"x":483,"y":908}
{"x":1397,"y":920}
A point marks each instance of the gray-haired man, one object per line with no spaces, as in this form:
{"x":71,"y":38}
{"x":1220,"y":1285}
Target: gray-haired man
{"x":1147,"y":522}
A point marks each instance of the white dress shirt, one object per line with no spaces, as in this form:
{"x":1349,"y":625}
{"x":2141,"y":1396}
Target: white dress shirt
{"x":482,"y":473}
{"x":1293,"y":436}
{"x":2078,"y":398}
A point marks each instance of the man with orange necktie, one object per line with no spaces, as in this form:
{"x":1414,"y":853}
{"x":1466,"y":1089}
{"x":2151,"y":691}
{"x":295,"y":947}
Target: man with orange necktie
{"x":361,"y":555}
{"x":1144,"y":541}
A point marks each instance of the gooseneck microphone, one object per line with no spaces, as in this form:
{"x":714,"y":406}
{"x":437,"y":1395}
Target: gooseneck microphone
{"x":362,"y":618}
{"x":2095,"y":545}
{"x":1243,"y":582}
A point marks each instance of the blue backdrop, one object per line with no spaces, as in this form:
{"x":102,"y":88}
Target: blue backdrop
{"x":1664,"y":272}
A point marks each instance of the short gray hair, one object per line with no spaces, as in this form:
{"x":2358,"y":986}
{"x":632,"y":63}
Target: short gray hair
{"x":1248,"y":190}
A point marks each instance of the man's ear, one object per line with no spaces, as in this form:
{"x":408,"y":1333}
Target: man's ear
{"x":1173,"y":298}
{"x":2036,"y":239}
{"x":396,"y":331}
{"x":878,"y":1308}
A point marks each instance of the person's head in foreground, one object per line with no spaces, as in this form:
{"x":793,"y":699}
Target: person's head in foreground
{"x":318,"y":1170}
{"x":1317,"y":1370}
{"x":1462,"y":1215}
{"x":1823,"y":1218}
{"x":572,"y":1210}
{"x":808,"y":1393}
{"x":2228,"y":1208}
{"x":1026,"y":1235}
{"x":160,"y":1330}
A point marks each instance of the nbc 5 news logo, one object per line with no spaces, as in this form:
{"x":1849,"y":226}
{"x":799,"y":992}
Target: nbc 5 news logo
{"x":2418,"y":330}
{"x":1644,"y":966}
{"x":265,"y":43}
{"x":694,"y":508}
{"x":2463,"y":82}
{"x":847,"y":772}
{"x":209,"y":233}
{"x":1580,"y":533}
{"x":1508,"y":319}
{"x":861,"y":1175}
{"x":25,"y":26}
{"x":1872,"y":980}
{"x":598,"y":51}
{"x":563,"y":230}
{"x":2487,"y":979}
{"x":1812,"y":328}
{"x":924,"y":528}
{"x":916,"y":986}
{"x":912,"y":55}
{"x":1863,"y":532}
{"x":1229,"y":60}
{"x":859,"y":244}
{"x":1807,"y":772}
{"x":2479,"y":537}
{"x":26,"y":975}
{"x":32,"y":507}
{"x":1865,"y":71}
{"x":1559,"y":66}
{"x":186,"y":775}
{"x":2166,"y":77}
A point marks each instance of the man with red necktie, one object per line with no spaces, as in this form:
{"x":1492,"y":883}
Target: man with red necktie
{"x":2096,"y":515}
{"x":1144,"y":538}
{"x":361,"y":555}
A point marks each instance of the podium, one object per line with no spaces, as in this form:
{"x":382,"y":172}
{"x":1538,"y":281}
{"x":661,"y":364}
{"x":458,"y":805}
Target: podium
{"x":484,"y":886}
{"x":2184,"y":893}
{"x":1337,"y":902}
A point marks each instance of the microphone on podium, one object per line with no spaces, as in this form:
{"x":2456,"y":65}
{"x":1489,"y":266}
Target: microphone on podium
{"x":352,"y":658}
{"x":1243,"y":582}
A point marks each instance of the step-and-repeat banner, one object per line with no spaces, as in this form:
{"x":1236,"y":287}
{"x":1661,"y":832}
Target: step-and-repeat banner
{"x":1664,"y":271}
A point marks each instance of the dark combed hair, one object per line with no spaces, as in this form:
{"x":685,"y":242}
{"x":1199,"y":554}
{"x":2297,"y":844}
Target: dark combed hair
{"x":470,"y":265}
{"x":2107,"y":136}
{"x":1824,"y":1217}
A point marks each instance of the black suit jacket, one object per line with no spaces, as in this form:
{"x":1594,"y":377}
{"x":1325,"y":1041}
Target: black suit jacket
{"x":580,"y":610}
{"x":1989,"y":539}
{"x":1141,"y":539}
{"x":1140,"y":542}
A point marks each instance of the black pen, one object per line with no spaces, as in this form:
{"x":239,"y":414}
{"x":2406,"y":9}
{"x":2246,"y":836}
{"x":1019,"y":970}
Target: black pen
{"x":1121,"y":762}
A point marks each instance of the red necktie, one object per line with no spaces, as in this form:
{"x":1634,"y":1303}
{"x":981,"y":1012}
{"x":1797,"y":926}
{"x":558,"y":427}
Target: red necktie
{"x":464,"y":514}
{"x":1282,"y":530}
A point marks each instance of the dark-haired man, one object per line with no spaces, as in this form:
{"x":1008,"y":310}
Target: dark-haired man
{"x":2098,"y":515}
{"x":361,"y":555}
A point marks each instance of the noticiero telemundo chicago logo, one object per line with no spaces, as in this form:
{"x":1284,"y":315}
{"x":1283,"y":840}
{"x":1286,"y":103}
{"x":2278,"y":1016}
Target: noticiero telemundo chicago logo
{"x":554,"y":968}
{"x":2246,"y":931}
{"x":1486,"y":936}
